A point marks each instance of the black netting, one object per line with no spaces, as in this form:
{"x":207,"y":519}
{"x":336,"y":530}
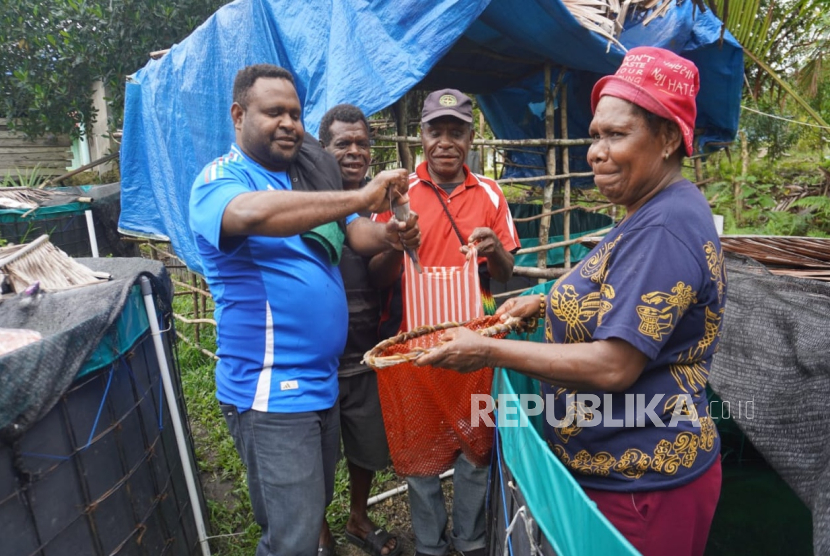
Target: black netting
{"x":72,"y":322}
{"x":775,"y":353}
{"x":92,"y":466}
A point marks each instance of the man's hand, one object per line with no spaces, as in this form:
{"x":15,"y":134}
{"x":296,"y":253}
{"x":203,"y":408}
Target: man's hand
{"x":402,"y":235}
{"x":485,"y":240}
{"x":488,"y":245}
{"x":376,"y":192}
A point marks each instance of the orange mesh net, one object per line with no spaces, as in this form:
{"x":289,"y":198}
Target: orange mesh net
{"x":427,"y":411}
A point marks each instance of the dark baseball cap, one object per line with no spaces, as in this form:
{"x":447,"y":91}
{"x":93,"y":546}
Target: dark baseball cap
{"x":447,"y":102}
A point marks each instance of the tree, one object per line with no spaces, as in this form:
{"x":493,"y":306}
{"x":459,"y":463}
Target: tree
{"x":51,"y":52}
{"x":781,"y":38}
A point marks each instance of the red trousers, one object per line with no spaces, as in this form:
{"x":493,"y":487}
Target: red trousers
{"x":661,"y":522}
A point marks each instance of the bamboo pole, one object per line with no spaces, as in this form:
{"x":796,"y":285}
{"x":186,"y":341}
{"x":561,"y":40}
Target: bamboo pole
{"x":566,"y":191}
{"x":188,"y":287}
{"x":184,"y":339}
{"x":195,"y":297}
{"x":547,"y":197}
{"x":543,"y":274}
{"x":92,"y":164}
{"x":482,"y":151}
{"x":203,"y":298}
{"x":499,"y":142}
{"x":737,"y":182}
{"x":699,"y":174}
{"x":559,"y":211}
{"x":193,"y":321}
{"x":557,"y":244}
{"x":550,"y":161}
{"x":404,"y":153}
{"x":546,"y":178}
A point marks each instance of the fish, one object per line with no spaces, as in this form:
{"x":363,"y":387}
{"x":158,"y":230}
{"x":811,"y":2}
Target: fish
{"x":401,"y":212}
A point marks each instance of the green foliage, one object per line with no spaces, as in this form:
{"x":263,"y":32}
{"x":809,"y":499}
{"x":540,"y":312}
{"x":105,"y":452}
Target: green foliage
{"x":773,"y":134}
{"x":817,"y":210}
{"x":31,"y":178}
{"x":760,"y":192}
{"x":52,"y":51}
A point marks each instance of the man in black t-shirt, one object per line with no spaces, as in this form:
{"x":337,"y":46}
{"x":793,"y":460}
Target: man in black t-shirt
{"x":344,"y":132}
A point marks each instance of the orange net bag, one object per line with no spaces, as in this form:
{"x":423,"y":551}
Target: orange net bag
{"x":427,"y":411}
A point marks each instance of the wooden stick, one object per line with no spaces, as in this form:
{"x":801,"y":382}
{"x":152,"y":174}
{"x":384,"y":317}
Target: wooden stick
{"x":546,"y":178}
{"x":81,"y":169}
{"x":559,"y":211}
{"x":556,"y":244}
{"x":184,"y":339}
{"x":533,"y":272}
{"x":25,"y":249}
{"x":500,"y":142}
{"x":193,"y":321}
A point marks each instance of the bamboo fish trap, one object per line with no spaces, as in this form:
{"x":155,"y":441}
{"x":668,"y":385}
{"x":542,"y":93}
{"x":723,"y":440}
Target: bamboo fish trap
{"x":408,"y":346}
{"x":40,"y":261}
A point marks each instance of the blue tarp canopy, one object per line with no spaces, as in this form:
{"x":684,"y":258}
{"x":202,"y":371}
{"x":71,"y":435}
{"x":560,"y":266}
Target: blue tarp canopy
{"x":177,"y":113}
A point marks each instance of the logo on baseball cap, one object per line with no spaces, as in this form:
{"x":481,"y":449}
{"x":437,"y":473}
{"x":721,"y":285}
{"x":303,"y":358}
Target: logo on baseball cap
{"x":447,"y":102}
{"x":659,"y":81}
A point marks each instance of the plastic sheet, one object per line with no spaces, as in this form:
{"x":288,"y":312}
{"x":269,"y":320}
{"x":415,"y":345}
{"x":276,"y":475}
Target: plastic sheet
{"x":177,"y":114}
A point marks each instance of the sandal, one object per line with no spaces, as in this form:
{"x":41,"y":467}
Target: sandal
{"x":375,"y":541}
{"x":328,"y":550}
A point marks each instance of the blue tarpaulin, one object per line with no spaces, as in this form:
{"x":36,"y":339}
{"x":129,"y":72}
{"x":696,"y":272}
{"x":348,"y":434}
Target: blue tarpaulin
{"x":177,"y":113}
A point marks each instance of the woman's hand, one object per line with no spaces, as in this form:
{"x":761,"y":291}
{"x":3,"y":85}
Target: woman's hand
{"x":525,"y":306}
{"x":461,"y":350}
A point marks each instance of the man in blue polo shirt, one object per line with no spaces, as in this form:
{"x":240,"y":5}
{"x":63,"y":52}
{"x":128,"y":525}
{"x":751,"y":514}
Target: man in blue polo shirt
{"x":270,"y":219}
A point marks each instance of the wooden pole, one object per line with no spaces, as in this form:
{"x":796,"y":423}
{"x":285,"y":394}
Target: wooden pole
{"x":566,"y":191}
{"x":699,"y":173}
{"x":482,"y":150}
{"x":737,"y":182}
{"x":547,"y":196}
{"x":92,"y":164}
{"x":497,"y":142}
{"x":561,"y":210}
{"x":543,"y":274}
{"x":549,"y":246}
{"x":543,"y":178}
{"x":550,"y":132}
{"x":196,"y":314}
{"x":404,"y":153}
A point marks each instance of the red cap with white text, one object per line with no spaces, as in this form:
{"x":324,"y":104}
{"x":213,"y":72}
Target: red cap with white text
{"x":659,"y":81}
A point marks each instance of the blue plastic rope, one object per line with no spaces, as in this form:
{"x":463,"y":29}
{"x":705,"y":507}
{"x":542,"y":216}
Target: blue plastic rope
{"x":72,"y":219}
{"x":100,"y":408}
{"x":126,"y":364}
{"x":91,"y":433}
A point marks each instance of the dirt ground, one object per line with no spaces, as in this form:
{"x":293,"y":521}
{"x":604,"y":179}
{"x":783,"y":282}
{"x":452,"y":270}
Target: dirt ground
{"x":395,"y":512}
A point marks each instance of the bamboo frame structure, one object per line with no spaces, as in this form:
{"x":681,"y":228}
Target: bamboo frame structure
{"x":551,"y":147}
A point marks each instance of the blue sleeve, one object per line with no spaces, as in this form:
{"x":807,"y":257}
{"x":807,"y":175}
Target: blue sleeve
{"x":651,"y":280}
{"x":208,"y":200}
